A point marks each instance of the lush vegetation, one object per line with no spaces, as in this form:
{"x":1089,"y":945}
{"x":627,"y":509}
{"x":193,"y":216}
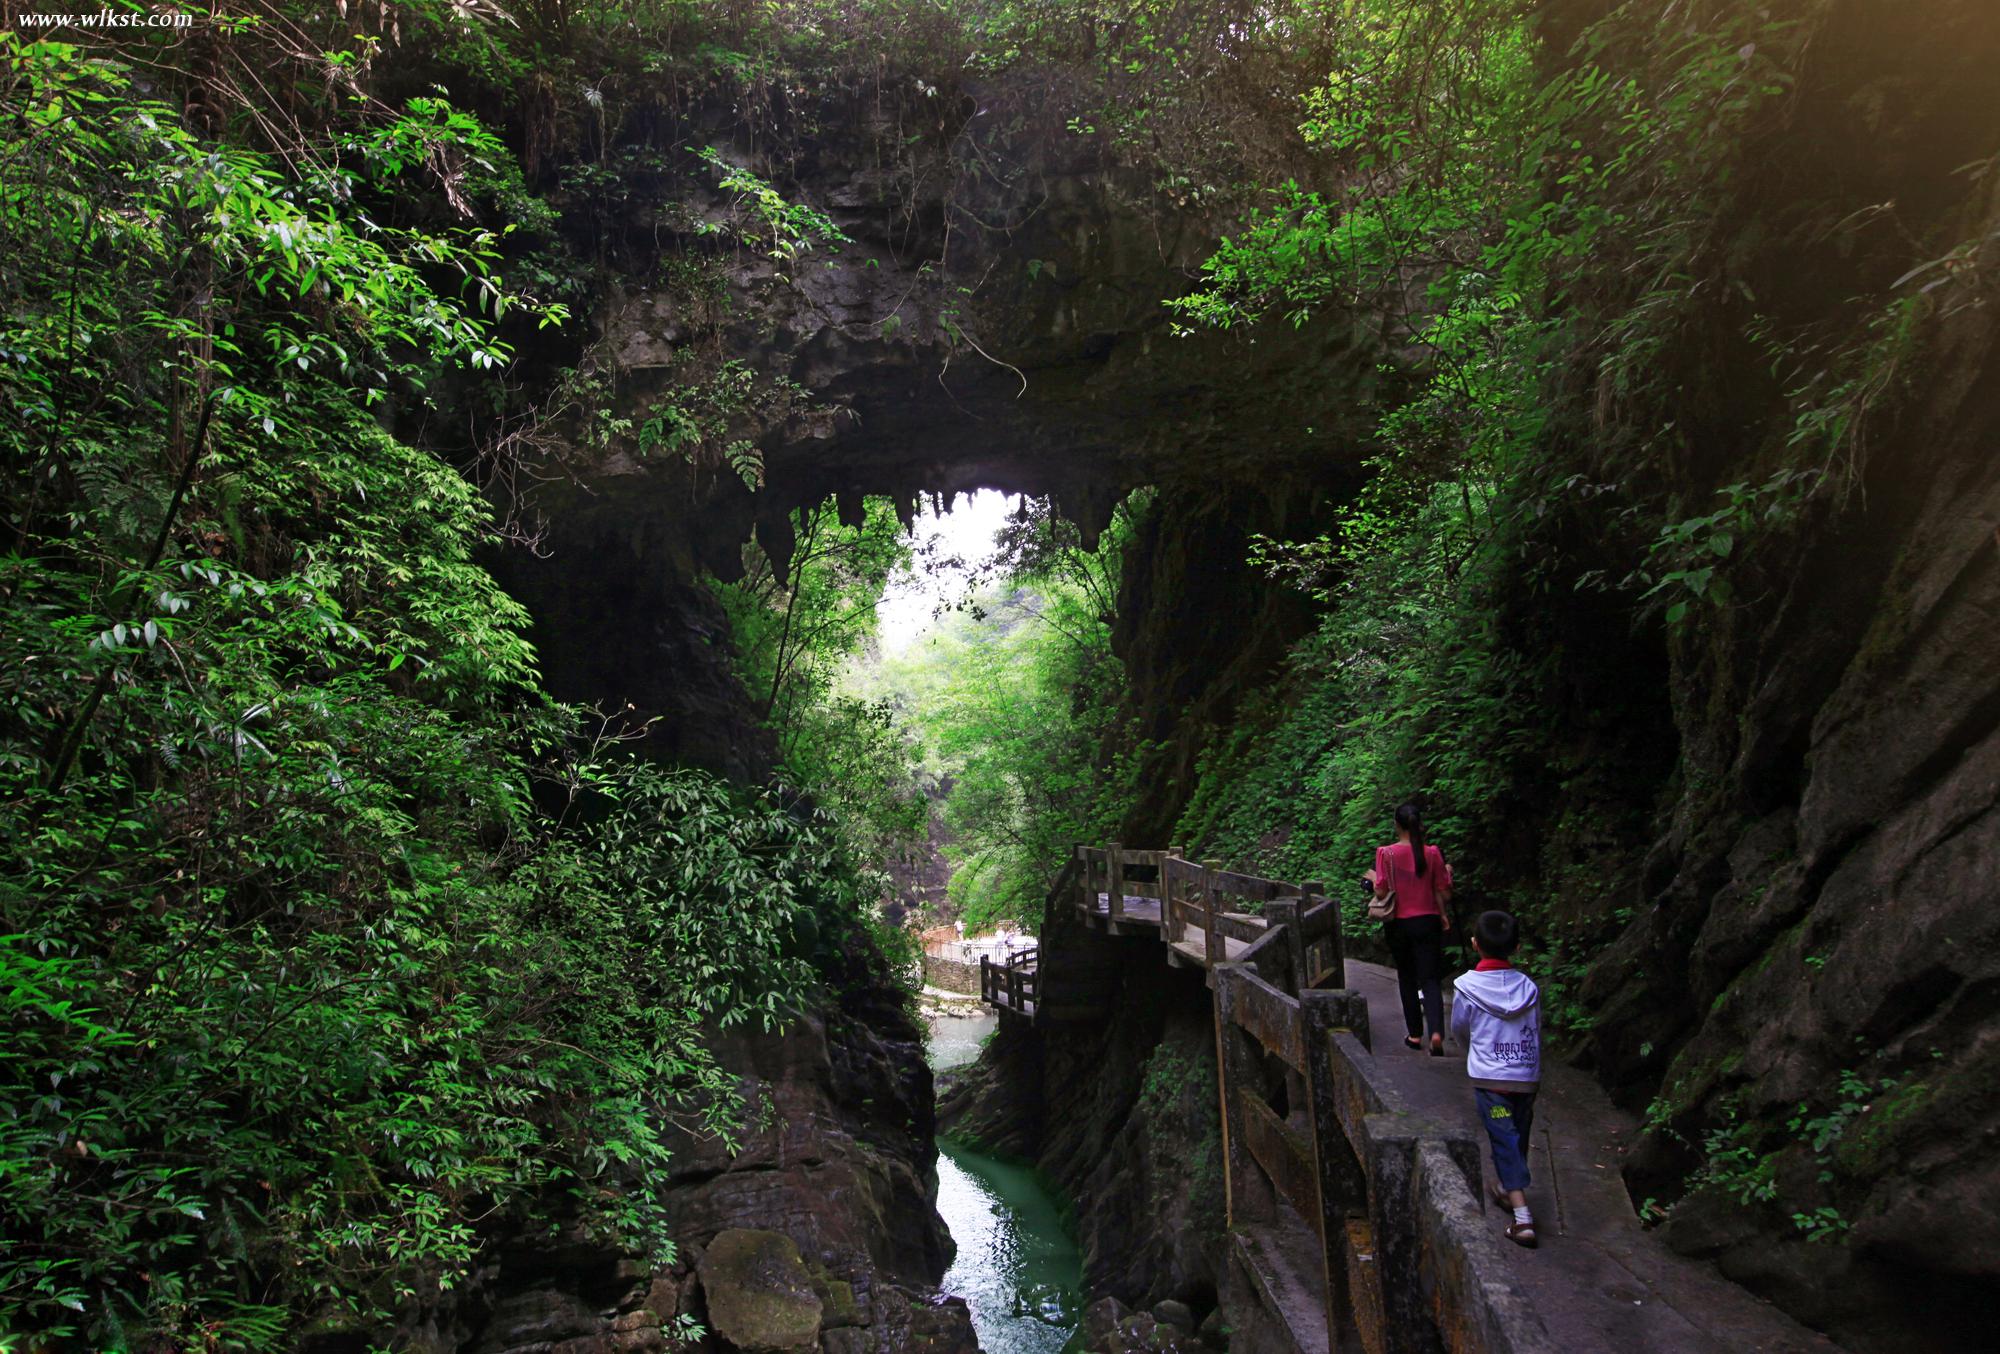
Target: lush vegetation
{"x":327,"y":943}
{"x":843,"y":752}
{"x":1551,"y":212}
{"x":327,"y":940}
{"x":1016,"y":700}
{"x":996,"y":733}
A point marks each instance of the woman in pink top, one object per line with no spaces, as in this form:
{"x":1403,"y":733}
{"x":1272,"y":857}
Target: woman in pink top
{"x":1416,"y":873}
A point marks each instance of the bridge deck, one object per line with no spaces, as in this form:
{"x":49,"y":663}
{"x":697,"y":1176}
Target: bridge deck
{"x":1194,"y":949}
{"x":1136,"y":909}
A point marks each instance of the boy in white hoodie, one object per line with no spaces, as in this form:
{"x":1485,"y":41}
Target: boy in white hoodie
{"x":1496,"y":1017}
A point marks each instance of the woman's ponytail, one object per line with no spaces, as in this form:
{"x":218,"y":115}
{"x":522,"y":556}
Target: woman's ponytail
{"x":1412,"y":822}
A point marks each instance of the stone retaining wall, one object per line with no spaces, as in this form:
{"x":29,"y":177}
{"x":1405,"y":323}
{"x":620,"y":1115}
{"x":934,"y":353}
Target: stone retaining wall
{"x":951,"y":975}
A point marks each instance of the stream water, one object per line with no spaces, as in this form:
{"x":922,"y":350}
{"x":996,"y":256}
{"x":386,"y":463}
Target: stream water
{"x":1016,"y":1267}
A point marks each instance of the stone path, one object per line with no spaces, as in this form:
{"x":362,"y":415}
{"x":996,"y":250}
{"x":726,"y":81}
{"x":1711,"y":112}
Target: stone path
{"x":1599,"y":1280}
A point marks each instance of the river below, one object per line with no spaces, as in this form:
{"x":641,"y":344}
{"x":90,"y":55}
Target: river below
{"x":1016,"y":1267}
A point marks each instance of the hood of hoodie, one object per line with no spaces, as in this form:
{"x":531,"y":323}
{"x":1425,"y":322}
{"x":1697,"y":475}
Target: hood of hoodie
{"x":1502,"y":992}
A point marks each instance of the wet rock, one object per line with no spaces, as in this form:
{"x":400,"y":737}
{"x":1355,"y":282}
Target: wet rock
{"x":760,"y":1297}
{"x":1101,"y":1320}
{"x":1109,"y":1327}
{"x":942,"y":1325}
{"x":1135,"y":1332}
{"x":537,"y":1317}
{"x":1173,"y":1312}
{"x":838,"y":1306}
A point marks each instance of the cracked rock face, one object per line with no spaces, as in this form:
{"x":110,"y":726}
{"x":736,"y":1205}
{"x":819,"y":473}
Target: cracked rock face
{"x":814,"y":1230}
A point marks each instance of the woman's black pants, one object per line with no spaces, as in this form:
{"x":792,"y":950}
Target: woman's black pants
{"x":1417,"y":944}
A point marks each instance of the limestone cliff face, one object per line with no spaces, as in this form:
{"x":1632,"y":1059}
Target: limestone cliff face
{"x":817,"y":1218}
{"x":1815,"y":952}
{"x":994,"y":320}
{"x":1821,"y":905}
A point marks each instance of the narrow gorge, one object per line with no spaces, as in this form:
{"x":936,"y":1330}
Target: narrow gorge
{"x":556,"y":547}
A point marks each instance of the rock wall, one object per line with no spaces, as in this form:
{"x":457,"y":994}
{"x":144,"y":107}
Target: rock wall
{"x":952,"y":975}
{"x":994,"y":321}
{"x":1821,"y":906}
{"x":1816,"y":954}
{"x":815,"y":1228}
{"x":1120,"y":1115}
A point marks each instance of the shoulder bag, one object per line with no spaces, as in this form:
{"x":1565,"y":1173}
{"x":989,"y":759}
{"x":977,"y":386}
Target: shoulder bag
{"x":1383,"y":908}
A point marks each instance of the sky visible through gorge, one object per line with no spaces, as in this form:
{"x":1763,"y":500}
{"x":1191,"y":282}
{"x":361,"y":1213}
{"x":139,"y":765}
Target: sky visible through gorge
{"x":964,"y":530}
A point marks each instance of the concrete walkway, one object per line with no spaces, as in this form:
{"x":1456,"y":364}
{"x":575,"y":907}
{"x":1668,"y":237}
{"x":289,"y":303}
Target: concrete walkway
{"x":1599,"y":1280}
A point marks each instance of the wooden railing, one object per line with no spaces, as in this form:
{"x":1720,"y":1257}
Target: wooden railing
{"x":1181,"y":897}
{"x":1012,"y":986}
{"x":1313,"y":1135}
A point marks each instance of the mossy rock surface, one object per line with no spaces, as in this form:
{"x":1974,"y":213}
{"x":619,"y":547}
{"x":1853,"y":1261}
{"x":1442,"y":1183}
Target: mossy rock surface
{"x":838,"y":1306}
{"x":760,"y":1294}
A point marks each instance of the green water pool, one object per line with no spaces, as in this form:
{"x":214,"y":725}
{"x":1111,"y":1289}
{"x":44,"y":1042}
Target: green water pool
{"x":1016,"y":1267}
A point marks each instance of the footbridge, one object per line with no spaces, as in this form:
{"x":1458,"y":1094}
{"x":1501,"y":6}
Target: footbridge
{"x":1356,"y":1200}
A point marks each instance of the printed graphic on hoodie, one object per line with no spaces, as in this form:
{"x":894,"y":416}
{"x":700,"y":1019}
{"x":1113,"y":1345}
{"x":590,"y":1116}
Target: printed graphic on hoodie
{"x":1497,"y":1017}
{"x":1525,"y":1051}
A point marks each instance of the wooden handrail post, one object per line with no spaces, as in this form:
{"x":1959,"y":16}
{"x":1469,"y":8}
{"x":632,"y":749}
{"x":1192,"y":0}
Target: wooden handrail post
{"x":1213,"y":950}
{"x":1170,"y":926}
{"x":1284,"y":915}
{"x":1114,"y":881}
{"x":1336,"y":950}
{"x":1236,"y":1076}
{"x":1336,"y":1172}
{"x":986,"y":979}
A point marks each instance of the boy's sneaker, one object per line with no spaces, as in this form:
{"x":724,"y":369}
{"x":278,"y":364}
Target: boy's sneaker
{"x":1522,"y":1234}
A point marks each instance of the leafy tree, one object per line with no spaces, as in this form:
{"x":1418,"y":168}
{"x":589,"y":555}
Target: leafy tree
{"x":797,"y":636}
{"x":1016,"y":698}
{"x":300,"y":988}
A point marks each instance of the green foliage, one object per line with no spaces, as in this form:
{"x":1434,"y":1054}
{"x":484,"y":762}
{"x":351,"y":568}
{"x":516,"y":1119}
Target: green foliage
{"x":1542,"y":232}
{"x":694,"y":423}
{"x":1684,"y":559}
{"x":325,"y":1096}
{"x":1017,"y":702}
{"x":785,"y":229}
{"x":1410,"y":688}
{"x":1001,"y":720}
{"x":795,"y":637}
{"x":1168,"y":1073}
{"x":1732,"y":1163}
{"x":301,"y":991}
{"x":1739,"y":1160}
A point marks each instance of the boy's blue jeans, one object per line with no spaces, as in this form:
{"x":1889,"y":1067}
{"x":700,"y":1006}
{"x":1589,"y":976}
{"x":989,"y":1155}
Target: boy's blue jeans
{"x":1509,"y":1117}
